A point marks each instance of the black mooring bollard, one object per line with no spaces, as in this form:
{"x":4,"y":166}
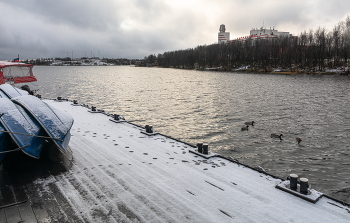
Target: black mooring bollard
{"x":149,"y":128}
{"x":75,"y":102}
{"x":116,"y":117}
{"x":205,"y":149}
{"x":38,"y":95}
{"x":293,"y":181}
{"x":93,"y":108}
{"x":59,"y":98}
{"x":200,"y":147}
{"x":304,"y":185}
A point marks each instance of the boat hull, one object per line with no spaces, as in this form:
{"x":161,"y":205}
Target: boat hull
{"x":4,"y":142}
{"x":11,"y":91}
{"x":56,"y":124}
{"x":3,"y":95}
{"x":22,"y":128}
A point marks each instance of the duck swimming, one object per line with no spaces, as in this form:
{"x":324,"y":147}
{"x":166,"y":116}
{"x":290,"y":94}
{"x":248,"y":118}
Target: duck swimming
{"x":274,"y":135}
{"x":298,"y":140}
{"x":250,"y":123}
{"x":245,"y":128}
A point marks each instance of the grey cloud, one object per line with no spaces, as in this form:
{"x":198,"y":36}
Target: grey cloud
{"x":137,"y":28}
{"x":78,"y":13}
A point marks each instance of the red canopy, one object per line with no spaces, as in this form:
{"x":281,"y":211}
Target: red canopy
{"x":16,"y":72}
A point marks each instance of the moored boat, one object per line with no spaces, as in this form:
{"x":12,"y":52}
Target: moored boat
{"x":16,"y":73}
{"x":26,"y":122}
{"x":23,"y":129}
{"x":55,"y":123}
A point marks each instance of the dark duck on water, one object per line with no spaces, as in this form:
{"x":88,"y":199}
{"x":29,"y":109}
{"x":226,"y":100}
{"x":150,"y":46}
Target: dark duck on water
{"x":274,"y":135}
{"x":245,"y":128}
{"x":250,"y":123}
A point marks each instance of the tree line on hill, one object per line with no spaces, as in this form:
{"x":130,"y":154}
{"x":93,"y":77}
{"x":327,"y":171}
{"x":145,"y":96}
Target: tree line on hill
{"x":311,"y":51}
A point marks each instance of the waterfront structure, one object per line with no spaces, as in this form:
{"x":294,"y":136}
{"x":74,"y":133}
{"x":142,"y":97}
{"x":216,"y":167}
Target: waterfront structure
{"x":269,"y":32}
{"x":255,"y":33}
{"x":122,"y":174}
{"x":223,"y":36}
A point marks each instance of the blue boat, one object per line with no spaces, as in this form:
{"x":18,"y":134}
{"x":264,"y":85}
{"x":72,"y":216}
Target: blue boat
{"x":11,"y":91}
{"x":26,"y":122}
{"x":2,"y":94}
{"x":4,"y":142}
{"x":23,"y":129}
{"x":56,"y":124}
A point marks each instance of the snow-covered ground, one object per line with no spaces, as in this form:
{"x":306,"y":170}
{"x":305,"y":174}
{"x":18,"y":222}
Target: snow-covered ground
{"x":122,"y":175}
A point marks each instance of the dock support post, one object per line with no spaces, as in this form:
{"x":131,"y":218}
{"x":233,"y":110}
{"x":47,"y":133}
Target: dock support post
{"x":205,"y":149}
{"x":293,"y":181}
{"x":149,"y":129}
{"x":304,"y":185}
{"x":200,"y":147}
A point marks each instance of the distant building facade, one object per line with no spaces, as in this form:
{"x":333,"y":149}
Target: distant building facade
{"x":255,"y":33}
{"x":223,"y":36}
{"x":268,"y":32}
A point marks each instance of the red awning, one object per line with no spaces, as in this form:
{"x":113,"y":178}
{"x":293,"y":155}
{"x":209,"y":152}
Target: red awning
{"x":24,"y":79}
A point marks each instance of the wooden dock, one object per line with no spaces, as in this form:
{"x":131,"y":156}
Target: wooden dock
{"x":120,"y":174}
{"x":20,"y":201}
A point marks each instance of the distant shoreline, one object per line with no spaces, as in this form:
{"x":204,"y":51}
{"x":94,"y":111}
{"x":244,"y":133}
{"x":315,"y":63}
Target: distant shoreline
{"x":286,"y":72}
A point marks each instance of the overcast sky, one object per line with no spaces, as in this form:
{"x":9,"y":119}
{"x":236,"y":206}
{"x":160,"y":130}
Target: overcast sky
{"x":138,"y":28}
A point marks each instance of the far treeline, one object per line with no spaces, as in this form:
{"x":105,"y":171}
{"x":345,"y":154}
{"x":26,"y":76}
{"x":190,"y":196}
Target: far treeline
{"x":312,"y":51}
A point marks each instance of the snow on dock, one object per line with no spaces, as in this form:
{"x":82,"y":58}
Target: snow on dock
{"x":119,"y":174}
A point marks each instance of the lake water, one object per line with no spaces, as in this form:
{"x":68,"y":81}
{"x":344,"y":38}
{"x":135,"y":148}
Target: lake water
{"x":211,"y":107}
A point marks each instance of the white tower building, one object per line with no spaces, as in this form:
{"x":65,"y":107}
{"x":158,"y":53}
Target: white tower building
{"x":223,"y":36}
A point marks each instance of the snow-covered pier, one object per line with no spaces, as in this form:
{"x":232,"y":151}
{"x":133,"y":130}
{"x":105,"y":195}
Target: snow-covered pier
{"x":120,"y":174}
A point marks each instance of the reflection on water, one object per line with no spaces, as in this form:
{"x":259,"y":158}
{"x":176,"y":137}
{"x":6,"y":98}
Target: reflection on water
{"x":212,"y":107}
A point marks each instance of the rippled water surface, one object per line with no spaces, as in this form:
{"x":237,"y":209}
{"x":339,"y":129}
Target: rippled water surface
{"x":212,"y":107}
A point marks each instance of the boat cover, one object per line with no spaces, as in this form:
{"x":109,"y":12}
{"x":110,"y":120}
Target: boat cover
{"x":11,"y":91}
{"x":16,"y":72}
{"x":15,"y":119}
{"x":56,"y":123}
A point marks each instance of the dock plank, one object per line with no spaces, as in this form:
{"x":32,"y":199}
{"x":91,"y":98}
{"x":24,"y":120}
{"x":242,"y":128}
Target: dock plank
{"x":26,"y":212}
{"x":54,"y":209}
{"x":50,"y":204}
{"x":20,"y":171}
{"x":12,"y":214}
{"x":8,"y":197}
{"x":64,"y":205}
{"x":19,"y":174}
{"x":2,"y":216}
{"x":40,"y":213}
{"x":37,"y":202}
{"x":6,"y":191}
